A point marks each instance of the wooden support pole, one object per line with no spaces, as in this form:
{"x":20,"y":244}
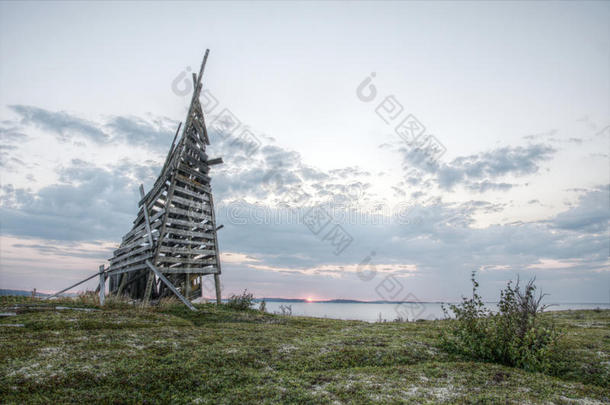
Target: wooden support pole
{"x":72,"y":286}
{"x":102,"y":286}
{"x":170,"y":286}
{"x":122,"y":284}
{"x":187,"y":286}
{"x":151,"y":276}
{"x":217,"y":284}
{"x":147,"y":220}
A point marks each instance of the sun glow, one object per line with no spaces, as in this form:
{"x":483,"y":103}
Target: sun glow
{"x":309,"y":299}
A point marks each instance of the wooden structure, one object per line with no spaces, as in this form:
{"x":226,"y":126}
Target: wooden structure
{"x":173,"y":242}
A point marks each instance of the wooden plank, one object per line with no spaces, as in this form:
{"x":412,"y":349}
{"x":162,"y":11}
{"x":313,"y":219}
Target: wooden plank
{"x":171,"y":149}
{"x":155,"y":190}
{"x":140,"y":242}
{"x":198,"y":175}
{"x":215,"y":161}
{"x":140,"y":227}
{"x":196,"y":149}
{"x":183,"y":190}
{"x":189,"y":214}
{"x":140,"y":231}
{"x":198,"y":164}
{"x":136,"y":259}
{"x":146,"y":218}
{"x":190,"y":224}
{"x":170,"y":286}
{"x":191,"y":203}
{"x":203,"y":187}
{"x":183,"y":260}
{"x":72,"y":286}
{"x":190,"y":233}
{"x":128,"y":269}
{"x":150,"y":280}
{"x":206,"y":242}
{"x":188,"y":270}
{"x":129,"y":253}
{"x":178,"y":250}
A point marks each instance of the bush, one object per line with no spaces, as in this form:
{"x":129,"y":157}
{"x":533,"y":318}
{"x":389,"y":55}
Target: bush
{"x":242,"y":301}
{"x":516,"y":335}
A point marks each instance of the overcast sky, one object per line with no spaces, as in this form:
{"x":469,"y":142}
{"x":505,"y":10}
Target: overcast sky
{"x":514,"y":97}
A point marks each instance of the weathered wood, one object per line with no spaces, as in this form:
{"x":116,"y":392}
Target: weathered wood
{"x":202,"y":197}
{"x":217,"y":286}
{"x":215,"y":233}
{"x":102,"y":286}
{"x":193,"y":183}
{"x":189,"y":270}
{"x":170,"y":286}
{"x":207,"y":242}
{"x":171,"y":149}
{"x":128,"y":269}
{"x":122,"y":284}
{"x":133,"y":260}
{"x":215,"y":161}
{"x":189,"y":214}
{"x":147,"y":220}
{"x":198,"y":175}
{"x":72,"y":286}
{"x":185,"y":260}
{"x":142,"y":226}
{"x":190,"y":224}
{"x":129,"y":253}
{"x":191,"y":203}
{"x":191,"y":233}
{"x":174,"y":231}
{"x":177,"y":250}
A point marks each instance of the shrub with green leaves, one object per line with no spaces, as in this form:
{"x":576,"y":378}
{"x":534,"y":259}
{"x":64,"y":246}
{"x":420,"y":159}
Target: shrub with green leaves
{"x":242,"y":301}
{"x":516,"y":335}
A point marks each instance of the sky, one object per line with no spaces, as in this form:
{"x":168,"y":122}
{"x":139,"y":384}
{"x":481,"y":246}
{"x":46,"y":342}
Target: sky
{"x":429,"y":140}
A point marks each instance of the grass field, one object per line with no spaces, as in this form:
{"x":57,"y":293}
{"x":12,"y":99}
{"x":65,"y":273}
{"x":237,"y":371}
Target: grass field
{"x":169,"y":354}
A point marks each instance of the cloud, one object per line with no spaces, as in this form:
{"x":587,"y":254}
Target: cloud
{"x":591,"y":215}
{"x":515,"y":161}
{"x":431,"y":241}
{"x":136,"y":131}
{"x":61,"y":123}
{"x":90,"y":203}
{"x":155,"y":134}
{"x":477,"y":172}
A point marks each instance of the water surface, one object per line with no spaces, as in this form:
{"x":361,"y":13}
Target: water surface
{"x":372,"y":312}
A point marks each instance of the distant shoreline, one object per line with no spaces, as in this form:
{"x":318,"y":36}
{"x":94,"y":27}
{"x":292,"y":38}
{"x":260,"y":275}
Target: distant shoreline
{"x":9,"y":292}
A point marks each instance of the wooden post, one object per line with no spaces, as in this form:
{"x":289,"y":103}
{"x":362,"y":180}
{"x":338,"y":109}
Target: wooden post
{"x":102,"y":285}
{"x":187,"y":286}
{"x":151,"y":276}
{"x":217,"y":283}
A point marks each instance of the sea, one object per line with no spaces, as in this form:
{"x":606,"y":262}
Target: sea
{"x":384,"y":311}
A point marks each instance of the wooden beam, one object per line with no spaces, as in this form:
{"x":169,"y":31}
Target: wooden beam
{"x":72,"y":286}
{"x":170,"y":286}
{"x":215,"y":161}
{"x":217,"y":285}
{"x":147,"y":220}
{"x":102,"y":286}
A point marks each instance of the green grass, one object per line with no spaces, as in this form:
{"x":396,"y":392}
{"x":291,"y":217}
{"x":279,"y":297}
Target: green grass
{"x":217,"y":355}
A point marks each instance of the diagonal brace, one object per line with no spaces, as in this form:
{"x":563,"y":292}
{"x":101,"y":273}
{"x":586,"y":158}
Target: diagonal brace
{"x":170,"y":286}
